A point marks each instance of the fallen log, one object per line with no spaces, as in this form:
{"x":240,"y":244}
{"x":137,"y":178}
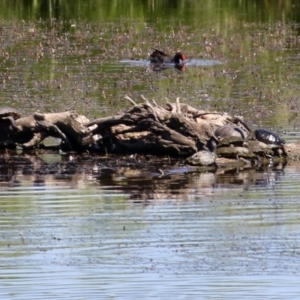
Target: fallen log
{"x":146,"y":128}
{"x":177,"y":128}
{"x":30,"y":131}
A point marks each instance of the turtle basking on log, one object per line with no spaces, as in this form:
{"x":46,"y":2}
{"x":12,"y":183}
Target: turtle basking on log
{"x":175,"y":129}
{"x":206,"y":157}
{"x":229,"y":131}
{"x":9,"y":112}
{"x":272,"y":139}
{"x":8,"y":117}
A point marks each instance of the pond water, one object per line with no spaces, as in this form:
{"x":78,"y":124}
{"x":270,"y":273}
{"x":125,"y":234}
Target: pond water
{"x":98,"y":227}
{"x":101,"y":230}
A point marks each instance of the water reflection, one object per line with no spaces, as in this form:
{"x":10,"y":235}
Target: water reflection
{"x":152,"y":66}
{"x":139,"y":178}
{"x":253,"y":11}
{"x":265,"y":178}
{"x":77,"y":223}
{"x":190,"y":62}
{"x":160,"y":67}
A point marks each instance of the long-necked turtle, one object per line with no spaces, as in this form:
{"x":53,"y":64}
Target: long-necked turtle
{"x":271,"y":139}
{"x":206,"y":157}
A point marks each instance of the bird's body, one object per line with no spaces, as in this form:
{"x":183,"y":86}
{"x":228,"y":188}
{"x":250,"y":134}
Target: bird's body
{"x":159,"y":57}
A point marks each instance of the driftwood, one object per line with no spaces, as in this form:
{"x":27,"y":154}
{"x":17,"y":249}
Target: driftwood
{"x":147,"y":128}
{"x":150,"y":128}
{"x":30,"y":131}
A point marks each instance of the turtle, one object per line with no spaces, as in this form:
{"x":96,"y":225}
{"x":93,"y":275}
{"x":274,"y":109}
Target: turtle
{"x":229,"y":136}
{"x":205,"y":157}
{"x":10,"y":114}
{"x":229,"y":131}
{"x":271,"y":139}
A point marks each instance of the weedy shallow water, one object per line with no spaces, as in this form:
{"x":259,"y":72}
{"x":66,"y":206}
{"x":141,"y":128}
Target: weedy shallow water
{"x":91,"y":227}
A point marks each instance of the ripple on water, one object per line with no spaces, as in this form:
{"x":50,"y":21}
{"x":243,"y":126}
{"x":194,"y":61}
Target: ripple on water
{"x":190,"y":62}
{"x":197,"y":231}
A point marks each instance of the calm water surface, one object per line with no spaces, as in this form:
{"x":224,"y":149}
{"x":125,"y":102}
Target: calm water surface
{"x":88,"y":228}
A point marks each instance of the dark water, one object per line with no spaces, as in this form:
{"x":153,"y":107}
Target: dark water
{"x":125,"y":228}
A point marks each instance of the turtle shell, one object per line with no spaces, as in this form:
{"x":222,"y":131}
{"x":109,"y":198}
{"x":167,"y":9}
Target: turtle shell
{"x":268,"y":137}
{"x":229,"y":131}
{"x":9,"y":112}
{"x":202,"y":158}
{"x":206,"y":157}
